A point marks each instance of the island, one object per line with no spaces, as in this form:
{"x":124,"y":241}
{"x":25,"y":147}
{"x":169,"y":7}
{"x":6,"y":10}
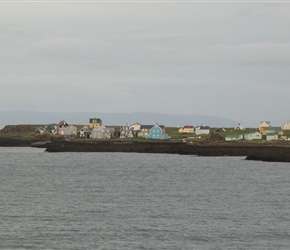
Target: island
{"x":278,"y":151}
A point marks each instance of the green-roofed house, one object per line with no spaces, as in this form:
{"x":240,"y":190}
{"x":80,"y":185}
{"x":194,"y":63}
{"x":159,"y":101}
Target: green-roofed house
{"x":267,"y":130}
{"x":253,"y":136}
{"x":271,"y":137}
{"x":233,"y":137}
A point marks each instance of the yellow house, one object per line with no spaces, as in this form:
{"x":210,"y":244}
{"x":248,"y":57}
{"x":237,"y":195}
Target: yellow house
{"x":94,"y":122}
{"x":264,"y":124}
{"x":271,"y":130}
{"x":186,"y":129}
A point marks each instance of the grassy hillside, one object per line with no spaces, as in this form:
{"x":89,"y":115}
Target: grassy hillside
{"x":19,"y":130}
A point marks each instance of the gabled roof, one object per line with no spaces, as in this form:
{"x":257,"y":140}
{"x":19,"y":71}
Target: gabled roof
{"x":240,"y":126}
{"x":62,"y":123}
{"x":267,"y":122}
{"x":150,"y":126}
{"x":157,"y":125}
{"x":136,"y":123}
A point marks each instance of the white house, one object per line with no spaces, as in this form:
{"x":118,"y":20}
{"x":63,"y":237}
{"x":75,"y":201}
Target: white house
{"x":135,"y":126}
{"x":253,"y":136}
{"x":126,"y":132}
{"x":233,"y":137}
{"x":272,"y":137}
{"x":286,"y":125}
{"x":202,"y":130}
{"x":239,"y":127}
{"x":100,"y":132}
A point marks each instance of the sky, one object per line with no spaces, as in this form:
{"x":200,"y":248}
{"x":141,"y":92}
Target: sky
{"x":222,"y":58}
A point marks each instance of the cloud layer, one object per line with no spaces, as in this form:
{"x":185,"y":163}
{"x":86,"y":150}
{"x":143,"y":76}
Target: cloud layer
{"x":222,"y":59}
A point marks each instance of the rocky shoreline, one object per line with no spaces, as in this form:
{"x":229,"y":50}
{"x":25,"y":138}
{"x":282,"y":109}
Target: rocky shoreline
{"x":15,"y":142}
{"x":251,"y":151}
{"x":274,"y":153}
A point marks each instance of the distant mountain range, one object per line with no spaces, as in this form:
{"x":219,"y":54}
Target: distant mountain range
{"x":117,"y":119}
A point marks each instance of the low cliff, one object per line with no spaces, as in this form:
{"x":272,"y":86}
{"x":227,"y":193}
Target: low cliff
{"x":252,"y":151}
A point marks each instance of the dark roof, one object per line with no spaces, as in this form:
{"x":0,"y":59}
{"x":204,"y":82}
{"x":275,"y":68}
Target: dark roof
{"x":95,"y":119}
{"x":204,"y":127}
{"x":150,"y":126}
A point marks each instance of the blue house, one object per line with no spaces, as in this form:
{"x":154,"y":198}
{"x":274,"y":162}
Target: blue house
{"x":157,"y":132}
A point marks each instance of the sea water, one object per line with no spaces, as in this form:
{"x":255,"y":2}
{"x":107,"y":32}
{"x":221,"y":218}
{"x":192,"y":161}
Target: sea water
{"x":141,"y":201}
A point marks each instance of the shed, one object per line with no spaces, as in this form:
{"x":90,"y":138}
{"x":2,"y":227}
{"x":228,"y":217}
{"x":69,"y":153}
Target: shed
{"x":271,"y":136}
{"x":233,"y":137}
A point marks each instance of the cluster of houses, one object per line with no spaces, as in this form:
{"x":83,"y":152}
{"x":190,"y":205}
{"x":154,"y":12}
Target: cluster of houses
{"x":96,"y":130}
{"x":265,"y":132}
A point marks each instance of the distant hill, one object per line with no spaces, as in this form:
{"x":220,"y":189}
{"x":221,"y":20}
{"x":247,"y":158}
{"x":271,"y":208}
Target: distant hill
{"x":33,"y":117}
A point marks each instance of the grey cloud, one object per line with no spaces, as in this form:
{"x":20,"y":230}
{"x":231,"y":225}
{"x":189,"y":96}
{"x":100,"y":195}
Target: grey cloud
{"x":250,"y":53}
{"x":212,"y":58}
{"x":68,"y":48}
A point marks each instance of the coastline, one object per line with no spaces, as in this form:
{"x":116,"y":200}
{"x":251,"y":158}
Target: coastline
{"x":274,"y":153}
{"x":251,"y":151}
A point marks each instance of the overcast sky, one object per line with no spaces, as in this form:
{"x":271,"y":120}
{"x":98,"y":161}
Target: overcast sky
{"x":227,"y":59}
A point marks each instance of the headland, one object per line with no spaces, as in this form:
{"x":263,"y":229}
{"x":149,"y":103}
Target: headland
{"x":268,"y":151}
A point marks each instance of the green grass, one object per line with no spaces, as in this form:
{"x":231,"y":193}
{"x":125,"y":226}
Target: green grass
{"x":28,"y":131}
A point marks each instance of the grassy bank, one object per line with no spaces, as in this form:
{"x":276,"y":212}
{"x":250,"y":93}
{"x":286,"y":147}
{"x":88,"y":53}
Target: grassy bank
{"x":29,"y":132}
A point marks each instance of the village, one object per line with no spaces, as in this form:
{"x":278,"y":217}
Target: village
{"x":96,"y":130}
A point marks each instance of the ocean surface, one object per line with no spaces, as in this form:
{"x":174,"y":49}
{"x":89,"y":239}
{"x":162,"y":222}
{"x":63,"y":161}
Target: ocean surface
{"x":141,"y":201}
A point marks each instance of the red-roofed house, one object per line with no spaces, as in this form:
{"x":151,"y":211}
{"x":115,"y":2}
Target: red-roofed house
{"x":186,"y":129}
